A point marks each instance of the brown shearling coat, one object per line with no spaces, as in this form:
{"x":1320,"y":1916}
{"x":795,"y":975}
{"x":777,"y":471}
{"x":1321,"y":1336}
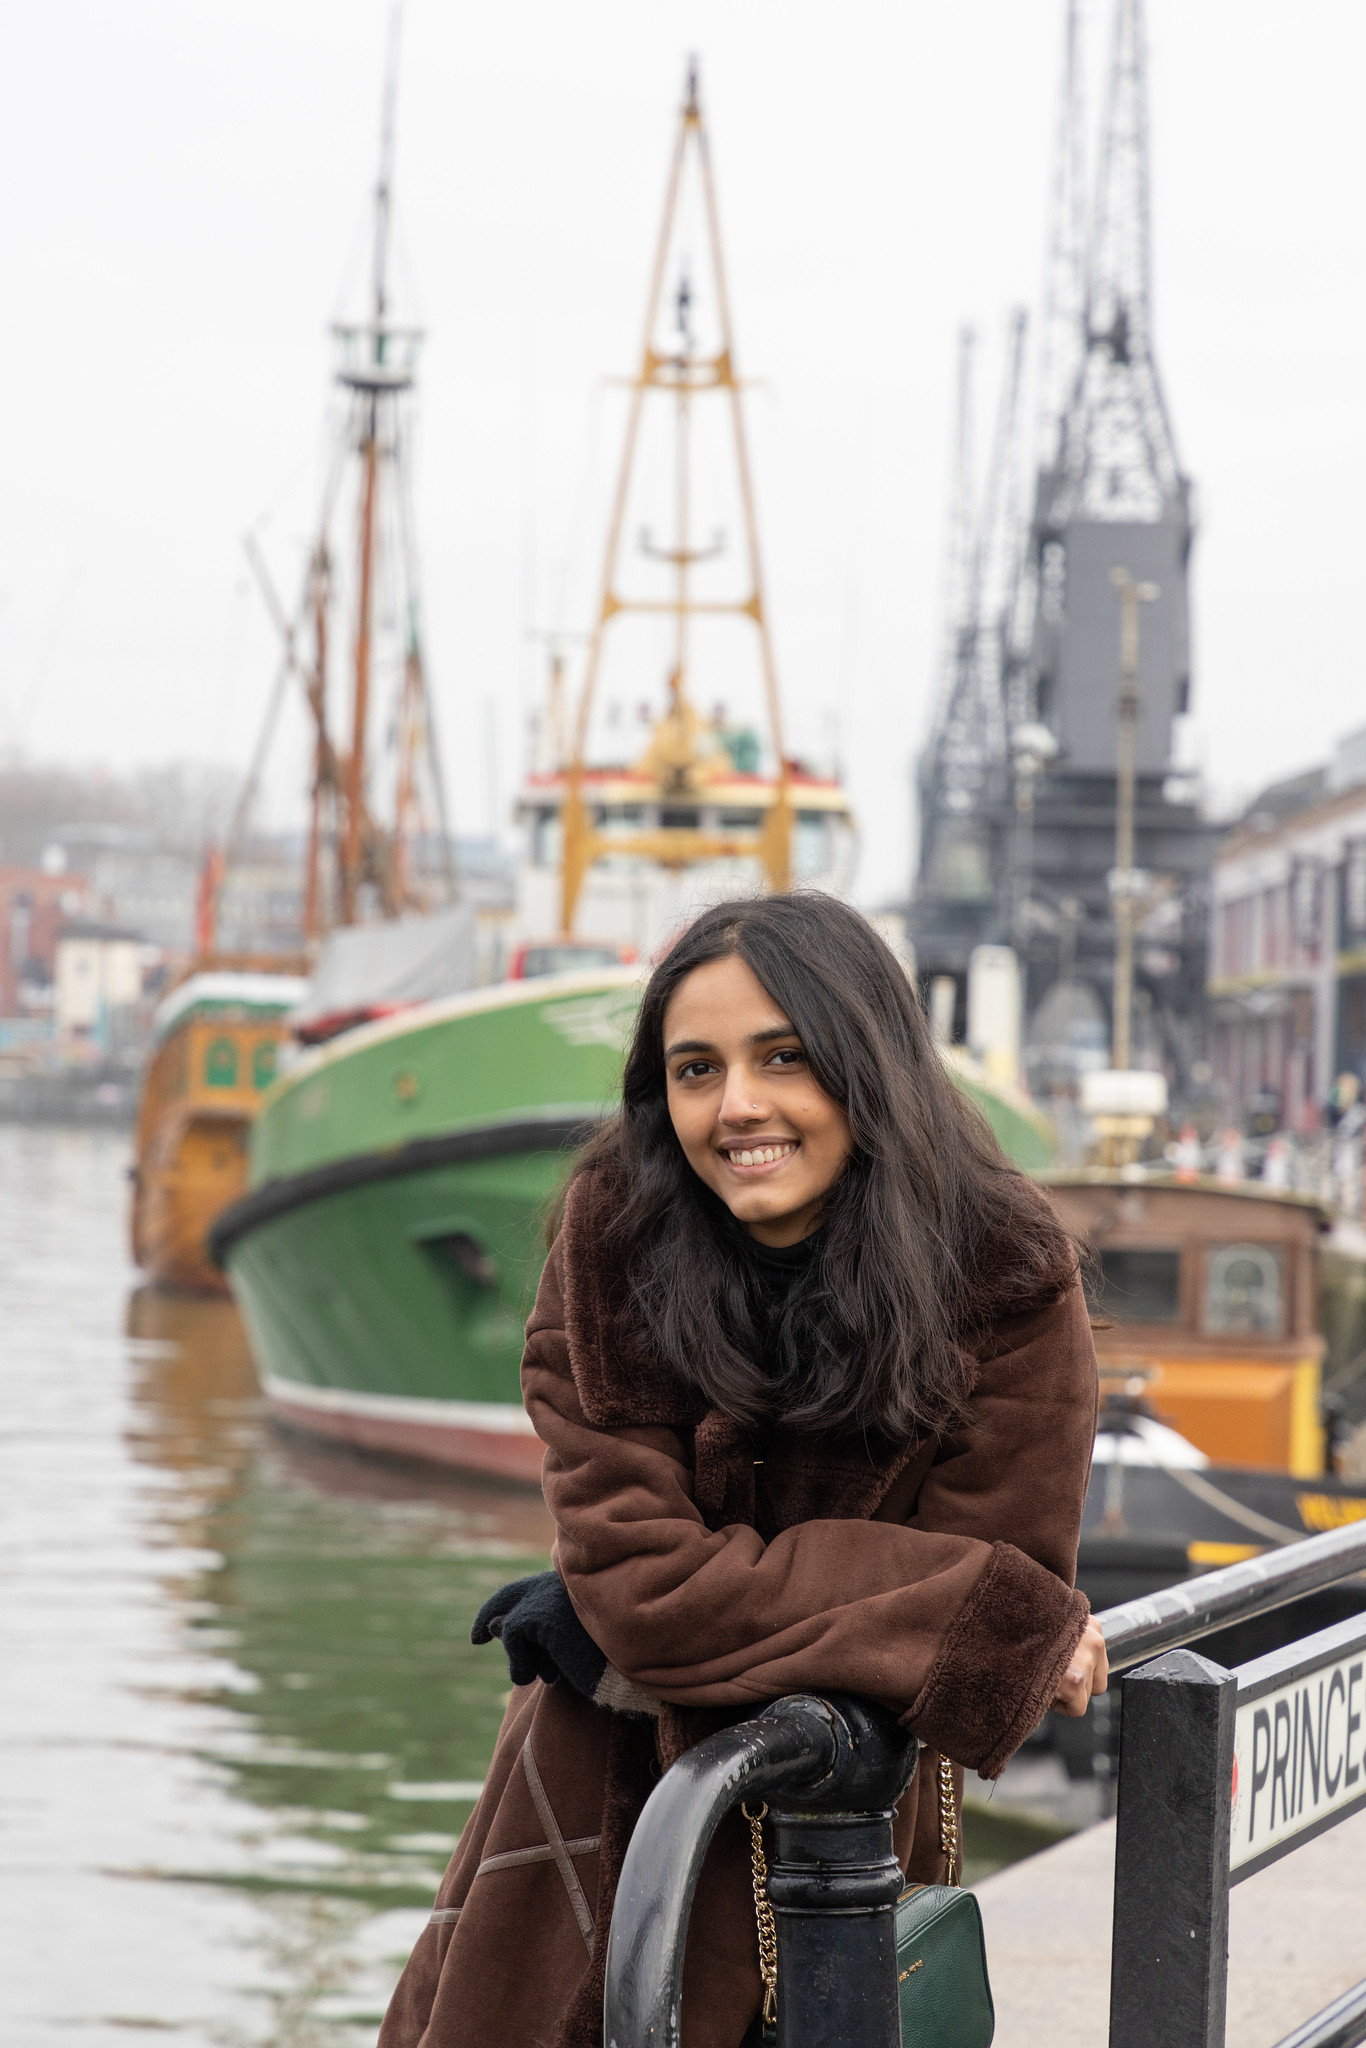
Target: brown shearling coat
{"x":936,"y":1577}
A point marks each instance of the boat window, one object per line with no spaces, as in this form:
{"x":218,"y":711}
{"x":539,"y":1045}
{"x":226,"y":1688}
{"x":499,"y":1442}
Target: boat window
{"x":538,"y":960}
{"x":622,"y":819}
{"x":1139,"y":1285}
{"x":812,"y":852}
{"x":545,"y":839}
{"x":220,"y":1064}
{"x":740,"y":821}
{"x":680,"y":820}
{"x":1245,"y":1290}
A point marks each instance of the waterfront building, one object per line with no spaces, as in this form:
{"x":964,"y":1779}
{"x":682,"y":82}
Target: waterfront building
{"x":1287,"y":970}
{"x":34,"y":905}
{"x":99,"y":972}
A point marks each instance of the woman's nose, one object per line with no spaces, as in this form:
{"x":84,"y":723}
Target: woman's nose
{"x":743,"y":1101}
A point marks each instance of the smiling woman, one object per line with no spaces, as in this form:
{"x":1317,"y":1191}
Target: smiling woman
{"x":754,"y":1124}
{"x":816,"y":1384}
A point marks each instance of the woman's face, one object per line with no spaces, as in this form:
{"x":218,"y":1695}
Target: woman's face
{"x":753,"y":1122}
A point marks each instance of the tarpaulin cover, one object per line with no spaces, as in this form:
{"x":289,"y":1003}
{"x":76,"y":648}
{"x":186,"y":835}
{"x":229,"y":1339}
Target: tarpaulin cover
{"x":413,"y":960}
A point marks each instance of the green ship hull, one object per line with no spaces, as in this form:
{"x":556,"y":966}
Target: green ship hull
{"x":386,"y":1255}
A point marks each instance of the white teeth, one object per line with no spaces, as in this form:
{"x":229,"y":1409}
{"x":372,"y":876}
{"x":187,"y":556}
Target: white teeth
{"x":763,"y":1155}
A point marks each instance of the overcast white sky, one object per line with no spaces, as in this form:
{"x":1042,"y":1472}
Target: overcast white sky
{"x":186,"y":188}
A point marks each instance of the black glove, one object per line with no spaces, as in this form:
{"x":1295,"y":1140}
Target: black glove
{"x":534,"y":1619}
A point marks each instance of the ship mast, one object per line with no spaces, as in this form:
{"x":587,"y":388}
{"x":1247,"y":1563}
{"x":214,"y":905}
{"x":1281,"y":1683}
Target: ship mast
{"x":684,"y":374}
{"x":376,"y":370}
{"x":351,"y":863}
{"x":378,"y":360}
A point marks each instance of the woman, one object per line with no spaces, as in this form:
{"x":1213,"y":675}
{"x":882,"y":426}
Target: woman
{"x":815,"y":1380}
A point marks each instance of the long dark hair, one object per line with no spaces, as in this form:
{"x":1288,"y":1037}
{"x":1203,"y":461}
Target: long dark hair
{"x":929,"y":1236}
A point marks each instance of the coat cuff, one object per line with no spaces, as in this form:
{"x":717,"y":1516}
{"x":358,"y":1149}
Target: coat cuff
{"x":1001,"y":1664}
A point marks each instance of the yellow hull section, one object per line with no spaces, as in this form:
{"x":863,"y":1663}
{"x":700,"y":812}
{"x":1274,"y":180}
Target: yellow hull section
{"x":1242,"y":1412}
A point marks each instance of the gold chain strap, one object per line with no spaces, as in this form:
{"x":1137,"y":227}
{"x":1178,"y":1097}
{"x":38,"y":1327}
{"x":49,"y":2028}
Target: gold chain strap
{"x":763,"y":1914}
{"x":948,"y":1819}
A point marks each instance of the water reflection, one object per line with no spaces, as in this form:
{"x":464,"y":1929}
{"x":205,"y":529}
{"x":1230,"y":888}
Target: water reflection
{"x":249,"y":1724}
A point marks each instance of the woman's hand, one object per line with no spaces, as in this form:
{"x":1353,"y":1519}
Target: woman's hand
{"x":1087,"y":1673}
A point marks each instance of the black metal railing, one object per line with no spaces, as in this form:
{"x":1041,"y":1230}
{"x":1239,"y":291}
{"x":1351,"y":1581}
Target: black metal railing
{"x":1237,"y":1592}
{"x":832,"y":1769}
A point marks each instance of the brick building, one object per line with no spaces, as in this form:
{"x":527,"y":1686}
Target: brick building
{"x":34,"y":905}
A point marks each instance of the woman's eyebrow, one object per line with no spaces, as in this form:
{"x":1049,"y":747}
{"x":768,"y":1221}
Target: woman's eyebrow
{"x":763,"y":1037}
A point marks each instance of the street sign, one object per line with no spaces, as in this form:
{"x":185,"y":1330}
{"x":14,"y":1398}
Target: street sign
{"x":1299,"y":1747}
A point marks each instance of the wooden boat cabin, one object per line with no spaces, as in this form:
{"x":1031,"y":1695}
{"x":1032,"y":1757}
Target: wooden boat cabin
{"x":215,"y":1043}
{"x":1212,"y":1299}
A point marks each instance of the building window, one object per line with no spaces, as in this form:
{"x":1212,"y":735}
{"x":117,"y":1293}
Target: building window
{"x":1271,"y":933}
{"x":1305,"y":904}
{"x":1354,"y":888}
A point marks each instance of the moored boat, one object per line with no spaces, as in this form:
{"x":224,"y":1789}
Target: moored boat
{"x":215,"y":1043}
{"x":1210,"y":1306}
{"x":387,"y":1254}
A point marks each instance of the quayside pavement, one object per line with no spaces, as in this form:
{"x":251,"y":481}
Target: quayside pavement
{"x":1297,"y":1939}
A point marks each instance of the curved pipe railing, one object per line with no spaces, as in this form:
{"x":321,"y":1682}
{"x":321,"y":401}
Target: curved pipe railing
{"x":1182,"y":1614}
{"x":838,"y":1765}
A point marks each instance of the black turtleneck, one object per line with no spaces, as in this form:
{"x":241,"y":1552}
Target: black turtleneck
{"x":776,"y":1266}
{"x":774,"y":1271}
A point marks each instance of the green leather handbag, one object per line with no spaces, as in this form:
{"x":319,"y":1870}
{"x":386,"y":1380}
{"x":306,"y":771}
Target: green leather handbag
{"x":941,"y":1968}
{"x":941,"y":1953}
{"x":941,"y":1958}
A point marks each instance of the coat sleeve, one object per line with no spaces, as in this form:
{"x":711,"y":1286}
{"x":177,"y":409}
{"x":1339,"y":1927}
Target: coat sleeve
{"x":963,"y":1635}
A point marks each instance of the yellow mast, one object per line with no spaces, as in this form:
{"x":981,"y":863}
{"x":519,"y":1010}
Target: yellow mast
{"x":685,"y":375}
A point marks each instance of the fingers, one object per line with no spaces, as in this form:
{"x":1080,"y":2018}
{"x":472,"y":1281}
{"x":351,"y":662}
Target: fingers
{"x":1086,"y":1674}
{"x":1073,"y":1696}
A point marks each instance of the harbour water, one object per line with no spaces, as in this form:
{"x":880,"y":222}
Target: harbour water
{"x":242,"y":1722}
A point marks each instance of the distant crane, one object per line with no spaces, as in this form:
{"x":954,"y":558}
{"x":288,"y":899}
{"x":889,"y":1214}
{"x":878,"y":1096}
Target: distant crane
{"x":963,"y":770}
{"x":1110,"y":494}
{"x":1017,"y":783}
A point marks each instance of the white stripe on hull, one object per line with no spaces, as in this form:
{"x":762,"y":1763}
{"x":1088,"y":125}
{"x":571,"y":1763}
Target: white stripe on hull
{"x":494,"y":1437}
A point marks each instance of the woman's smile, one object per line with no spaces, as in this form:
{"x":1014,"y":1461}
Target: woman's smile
{"x":756,"y":1155}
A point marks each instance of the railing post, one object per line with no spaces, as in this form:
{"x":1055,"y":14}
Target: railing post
{"x":834,"y":1884}
{"x":836,"y":1768}
{"x":1169,"y":1971}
